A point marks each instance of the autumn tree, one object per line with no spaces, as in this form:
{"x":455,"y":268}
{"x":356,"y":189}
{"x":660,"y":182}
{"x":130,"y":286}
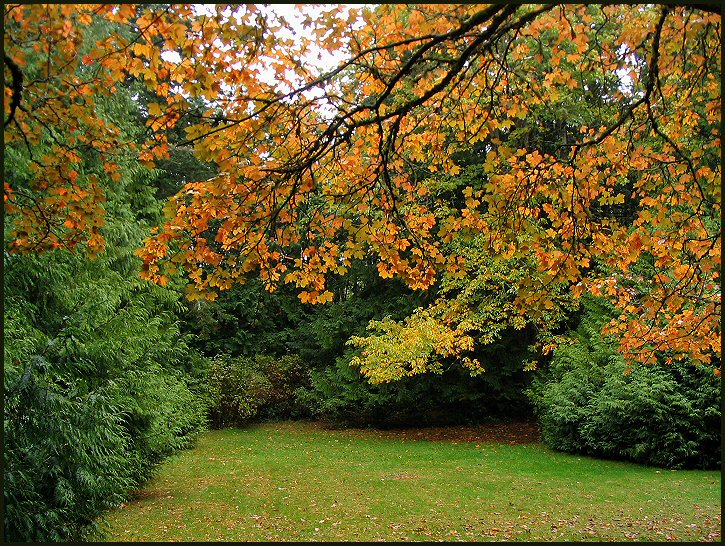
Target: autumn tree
{"x":318,"y":167}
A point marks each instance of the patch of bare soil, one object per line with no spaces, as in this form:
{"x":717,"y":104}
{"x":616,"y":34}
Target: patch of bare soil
{"x":143,"y":494}
{"x":513,"y":433}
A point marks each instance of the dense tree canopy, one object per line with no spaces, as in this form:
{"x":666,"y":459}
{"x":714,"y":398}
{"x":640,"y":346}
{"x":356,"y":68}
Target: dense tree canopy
{"x":589,"y":137}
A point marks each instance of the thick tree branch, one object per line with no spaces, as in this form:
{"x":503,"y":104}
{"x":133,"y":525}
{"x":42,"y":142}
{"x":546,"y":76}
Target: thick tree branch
{"x":649,"y":88}
{"x":17,"y":88}
{"x":494,"y":29}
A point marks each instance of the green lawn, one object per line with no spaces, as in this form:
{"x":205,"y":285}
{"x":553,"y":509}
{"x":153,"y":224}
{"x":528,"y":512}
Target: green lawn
{"x":300,"y":482}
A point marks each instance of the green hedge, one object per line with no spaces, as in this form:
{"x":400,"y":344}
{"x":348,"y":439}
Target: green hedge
{"x":99,"y":387}
{"x":589,"y":402}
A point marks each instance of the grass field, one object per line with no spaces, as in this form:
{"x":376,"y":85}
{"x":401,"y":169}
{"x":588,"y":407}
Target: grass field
{"x":301,"y":482}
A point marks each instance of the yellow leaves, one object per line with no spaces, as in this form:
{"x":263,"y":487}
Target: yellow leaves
{"x":518,"y":110}
{"x":194,"y":294}
{"x":114,"y":63}
{"x":608,"y":199}
{"x":84,"y":19}
{"x":635,"y":242}
{"x":357,"y":252}
{"x":325,"y":297}
{"x":681,"y":272}
{"x":454,"y":170}
{"x":385,"y":271}
{"x":402,"y":244}
{"x":121,"y":13}
{"x":155,"y":109}
{"x":401,"y":350}
{"x":141,"y":50}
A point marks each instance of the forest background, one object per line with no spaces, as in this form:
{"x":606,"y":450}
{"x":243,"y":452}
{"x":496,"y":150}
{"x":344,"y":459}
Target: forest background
{"x":482,"y":213}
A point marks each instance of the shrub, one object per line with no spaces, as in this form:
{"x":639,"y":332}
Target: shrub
{"x":162,"y":414}
{"x":589,"y":402}
{"x":78,"y":438}
{"x":99,"y":388}
{"x":243,"y":389}
{"x":65,"y":457}
{"x":343,"y":396}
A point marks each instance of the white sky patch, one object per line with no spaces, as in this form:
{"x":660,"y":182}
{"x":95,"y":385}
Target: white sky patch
{"x":294,"y":15}
{"x":171,"y":56}
{"x":317,"y":60}
{"x":626,"y":84}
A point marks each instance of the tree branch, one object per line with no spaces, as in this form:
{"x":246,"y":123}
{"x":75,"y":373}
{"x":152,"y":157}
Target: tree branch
{"x":17,"y":88}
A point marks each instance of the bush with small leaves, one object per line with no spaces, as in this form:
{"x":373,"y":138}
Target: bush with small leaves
{"x":243,"y":389}
{"x":100,"y":387}
{"x":590,"y":401}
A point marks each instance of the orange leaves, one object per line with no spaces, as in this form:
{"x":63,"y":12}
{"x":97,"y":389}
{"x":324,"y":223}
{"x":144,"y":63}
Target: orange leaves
{"x":577,"y":175}
{"x":141,"y":49}
{"x":315,"y":296}
{"x":306,"y":297}
{"x":385,"y":271}
{"x":682,"y":334}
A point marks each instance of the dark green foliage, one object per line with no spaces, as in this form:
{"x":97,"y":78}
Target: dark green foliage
{"x":248,"y":320}
{"x":64,"y":455}
{"x":664,"y":415}
{"x":343,"y":396}
{"x":243,"y":389}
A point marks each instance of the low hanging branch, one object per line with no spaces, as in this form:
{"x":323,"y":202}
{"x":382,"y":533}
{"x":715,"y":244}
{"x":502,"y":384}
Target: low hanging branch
{"x":363,"y":160}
